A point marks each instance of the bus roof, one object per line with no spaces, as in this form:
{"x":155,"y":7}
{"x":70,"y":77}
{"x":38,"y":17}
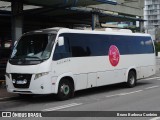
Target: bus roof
{"x":97,"y":31}
{"x":124,"y":32}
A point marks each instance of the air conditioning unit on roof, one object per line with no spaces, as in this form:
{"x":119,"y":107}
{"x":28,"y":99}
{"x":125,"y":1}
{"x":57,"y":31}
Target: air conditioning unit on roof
{"x":118,"y":30}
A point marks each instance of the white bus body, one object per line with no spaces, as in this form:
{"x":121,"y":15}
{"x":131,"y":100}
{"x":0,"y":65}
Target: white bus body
{"x":70,"y":57}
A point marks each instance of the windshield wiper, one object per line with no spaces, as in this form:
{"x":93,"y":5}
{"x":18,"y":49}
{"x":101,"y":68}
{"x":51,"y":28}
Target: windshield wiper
{"x":33,"y":57}
{"x":24,"y":58}
{"x":16,"y":58}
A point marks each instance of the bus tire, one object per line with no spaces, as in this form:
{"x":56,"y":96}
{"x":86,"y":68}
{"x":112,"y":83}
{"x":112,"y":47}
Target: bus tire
{"x":65,"y":90}
{"x":131,"y":81}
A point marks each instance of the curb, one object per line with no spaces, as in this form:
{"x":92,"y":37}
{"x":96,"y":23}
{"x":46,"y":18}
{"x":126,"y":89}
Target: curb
{"x":8,"y":98}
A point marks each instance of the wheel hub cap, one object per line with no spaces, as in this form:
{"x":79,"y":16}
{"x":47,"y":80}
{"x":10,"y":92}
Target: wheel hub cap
{"x":65,"y":89}
{"x":132,"y":80}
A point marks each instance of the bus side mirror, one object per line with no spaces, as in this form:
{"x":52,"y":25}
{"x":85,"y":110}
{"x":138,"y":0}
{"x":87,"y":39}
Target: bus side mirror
{"x":60,"y":41}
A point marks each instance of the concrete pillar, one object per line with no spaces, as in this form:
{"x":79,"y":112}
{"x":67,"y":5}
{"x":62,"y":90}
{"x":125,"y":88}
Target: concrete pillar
{"x":95,"y":18}
{"x":17,"y":19}
{"x":141,"y":25}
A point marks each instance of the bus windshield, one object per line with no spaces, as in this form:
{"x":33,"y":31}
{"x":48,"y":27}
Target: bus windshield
{"x":33,"y":47}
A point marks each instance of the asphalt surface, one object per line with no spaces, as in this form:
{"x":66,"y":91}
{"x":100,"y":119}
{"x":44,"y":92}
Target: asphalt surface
{"x":144,"y":97}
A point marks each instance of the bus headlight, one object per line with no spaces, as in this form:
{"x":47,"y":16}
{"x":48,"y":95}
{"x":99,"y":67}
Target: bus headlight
{"x":40,"y":75}
{"x":8,"y":75}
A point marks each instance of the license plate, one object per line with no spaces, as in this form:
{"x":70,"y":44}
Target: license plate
{"x":20,"y":82}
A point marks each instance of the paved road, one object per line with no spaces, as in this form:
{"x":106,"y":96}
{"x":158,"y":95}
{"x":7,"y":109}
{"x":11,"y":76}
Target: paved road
{"x":144,"y":97}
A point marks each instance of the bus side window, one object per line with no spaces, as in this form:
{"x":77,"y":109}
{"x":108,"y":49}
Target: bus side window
{"x":62,"y":51}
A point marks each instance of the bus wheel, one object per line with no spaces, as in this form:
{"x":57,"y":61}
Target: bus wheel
{"x":65,"y":90}
{"x":131,"y":82}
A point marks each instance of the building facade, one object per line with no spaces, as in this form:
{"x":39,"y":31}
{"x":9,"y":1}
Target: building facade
{"x":152,"y":17}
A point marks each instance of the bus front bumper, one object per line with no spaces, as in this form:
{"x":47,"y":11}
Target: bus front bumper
{"x":42,"y":85}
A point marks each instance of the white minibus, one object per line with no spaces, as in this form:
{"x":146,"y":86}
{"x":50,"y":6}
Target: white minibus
{"x":61,"y":61}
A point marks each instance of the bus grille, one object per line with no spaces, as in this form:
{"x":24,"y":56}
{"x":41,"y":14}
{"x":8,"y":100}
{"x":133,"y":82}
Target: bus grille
{"x":18,"y":79}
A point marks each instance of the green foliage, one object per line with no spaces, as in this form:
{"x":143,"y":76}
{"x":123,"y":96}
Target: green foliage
{"x":157,"y":47}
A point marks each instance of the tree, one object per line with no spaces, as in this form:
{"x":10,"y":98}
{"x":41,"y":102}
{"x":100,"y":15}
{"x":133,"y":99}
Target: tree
{"x":157,"y":47}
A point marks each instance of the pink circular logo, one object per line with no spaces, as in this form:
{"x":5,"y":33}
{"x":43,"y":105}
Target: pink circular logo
{"x":114,"y":55}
